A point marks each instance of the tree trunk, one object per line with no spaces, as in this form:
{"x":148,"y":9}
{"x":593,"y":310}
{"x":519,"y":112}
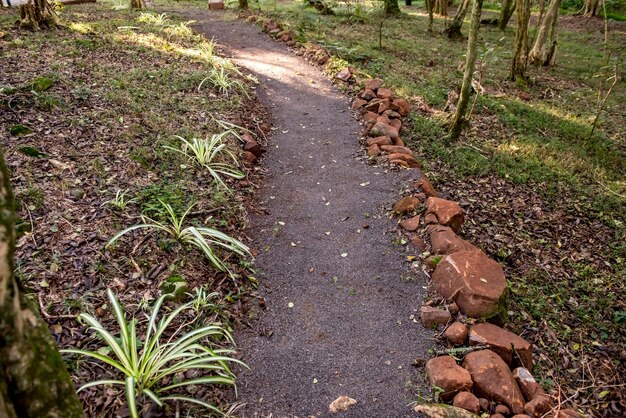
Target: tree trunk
{"x":544,"y":49}
{"x":508,"y":7}
{"x":243,"y":4}
{"x":591,"y":8}
{"x":470,"y":61}
{"x":136,"y":4}
{"x":454,"y":30}
{"x":520,"y":59}
{"x":392,"y":8}
{"x":33,"y":380}
{"x":37,"y":14}
{"x":441,"y":7}
{"x":430,"y":4}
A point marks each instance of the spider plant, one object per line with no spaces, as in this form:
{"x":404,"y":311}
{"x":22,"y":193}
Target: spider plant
{"x":205,"y":52}
{"x":202,"y":238}
{"x":208,"y":152}
{"x":154,"y":367}
{"x":223,"y":82}
{"x":153,"y":19}
{"x":119,"y":201}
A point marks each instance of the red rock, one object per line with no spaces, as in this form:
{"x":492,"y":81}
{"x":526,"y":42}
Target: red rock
{"x":373,"y":150}
{"x":323,"y":59}
{"x":358,"y":103}
{"x":467,"y":401}
{"x":391,"y":114}
{"x":442,"y":411}
{"x":344,"y":74}
{"x":456,"y":334}
{"x":384,"y":93}
{"x":431,"y":317}
{"x":398,"y":142}
{"x":484,"y":404}
{"x":373,"y":84}
{"x":274,"y":31}
{"x":448,"y":213}
{"x":379,"y":140}
{"x":443,"y":372}
{"x":502,"y":409}
{"x":538,"y":406}
{"x":248,"y":158}
{"x":473,"y":281}
{"x":527,"y":383}
{"x":430,"y":219}
{"x":568,"y":413}
{"x":396,"y":149}
{"x":383,"y":119}
{"x":285,"y":38}
{"x":368,"y":94}
{"x":409,"y":160}
{"x":373,"y":106}
{"x":370,"y":116}
{"x":380,"y":129}
{"x":424,"y":185}
{"x":342,"y":403}
{"x":453,"y":308}
{"x":406,"y":204}
{"x":396,"y":123}
{"x":419,"y":244}
{"x":401,"y":106}
{"x":497,"y":416}
{"x":432,"y":261}
{"x":502,"y":342}
{"x":444,"y":241}
{"x":383,"y":105}
{"x":493,"y":379}
{"x":251,"y":145}
{"x":292,"y":43}
{"x":411,"y":224}
{"x":520,"y":416}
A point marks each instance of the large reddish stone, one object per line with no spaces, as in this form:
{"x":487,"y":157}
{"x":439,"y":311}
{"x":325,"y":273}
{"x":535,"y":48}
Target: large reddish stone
{"x":502,"y":342}
{"x":370,"y":116}
{"x":473,"y":281}
{"x":373,"y":151}
{"x":431,"y":317}
{"x":410,"y":224}
{"x":406,"y":204}
{"x":444,"y":241}
{"x":251,"y":145}
{"x":379,"y":140}
{"x":404,"y":159}
{"x":538,"y":406}
{"x":493,"y":379}
{"x":383,"y":105}
{"x":467,"y":401}
{"x":396,"y":123}
{"x":424,"y":185}
{"x":456,"y":334}
{"x":358,"y":103}
{"x":368,"y":94}
{"x":373,"y":84}
{"x":448,"y":213}
{"x":382,"y":129}
{"x":384,"y":93}
{"x":393,"y":149}
{"x":444,"y":373}
{"x":527,"y":384}
{"x":401,"y":106}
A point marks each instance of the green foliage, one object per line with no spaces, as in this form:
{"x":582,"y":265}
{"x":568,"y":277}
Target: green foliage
{"x":211,"y":153}
{"x":41,"y":84}
{"x":120,"y":201}
{"x":19,"y":130}
{"x":154,"y":367}
{"x":203,"y":238}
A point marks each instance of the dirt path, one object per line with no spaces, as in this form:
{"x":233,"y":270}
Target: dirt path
{"x":339,"y":302}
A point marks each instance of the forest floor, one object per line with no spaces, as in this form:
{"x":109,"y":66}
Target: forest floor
{"x":541,"y":194}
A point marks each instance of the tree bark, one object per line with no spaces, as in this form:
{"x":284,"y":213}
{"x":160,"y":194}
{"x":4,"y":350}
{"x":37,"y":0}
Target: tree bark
{"x":136,"y":4}
{"x":544,"y":49}
{"x":37,"y":14}
{"x":243,"y":4}
{"x":591,"y":8}
{"x":441,"y":7}
{"x":392,"y":8}
{"x":33,"y":380}
{"x":508,"y":7}
{"x":454,"y":30}
{"x":470,"y":62}
{"x":430,"y":5}
{"x":520,"y":58}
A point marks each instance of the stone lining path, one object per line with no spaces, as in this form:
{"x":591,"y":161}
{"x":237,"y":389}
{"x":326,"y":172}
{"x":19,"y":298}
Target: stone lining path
{"x":339,"y":305}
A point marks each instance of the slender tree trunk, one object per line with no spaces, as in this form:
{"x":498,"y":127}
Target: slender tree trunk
{"x":441,"y":7}
{"x":392,"y":8}
{"x":33,"y":380}
{"x":430,"y":5}
{"x":470,"y":62}
{"x":508,"y":7}
{"x":520,"y":59}
{"x":136,"y":4}
{"x":591,"y":8}
{"x":37,"y":14}
{"x":544,"y":49}
{"x":243,"y":4}
{"x":454,"y":30}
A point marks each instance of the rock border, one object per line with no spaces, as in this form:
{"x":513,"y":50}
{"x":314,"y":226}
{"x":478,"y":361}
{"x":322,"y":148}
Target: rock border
{"x":494,"y":376}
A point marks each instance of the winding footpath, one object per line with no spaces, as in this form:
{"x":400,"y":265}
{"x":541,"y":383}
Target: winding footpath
{"x":342,"y":308}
